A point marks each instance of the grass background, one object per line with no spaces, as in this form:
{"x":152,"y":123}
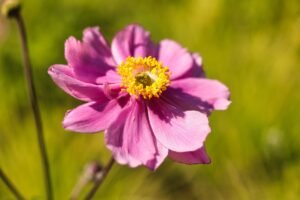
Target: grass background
{"x":252,"y":46}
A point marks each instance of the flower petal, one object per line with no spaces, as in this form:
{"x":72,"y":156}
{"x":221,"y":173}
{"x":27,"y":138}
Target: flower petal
{"x":177,"y":58}
{"x":114,"y":139}
{"x":93,"y":38}
{"x":205,"y":92}
{"x":197,"y":68}
{"x":111,"y":77}
{"x":92,"y":117}
{"x":177,"y":129}
{"x":193,"y":157}
{"x":63,"y":76}
{"x":134,"y":41}
{"x":91,"y":58}
{"x":133,"y":142}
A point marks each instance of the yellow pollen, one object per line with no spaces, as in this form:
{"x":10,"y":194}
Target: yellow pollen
{"x":144,"y":76}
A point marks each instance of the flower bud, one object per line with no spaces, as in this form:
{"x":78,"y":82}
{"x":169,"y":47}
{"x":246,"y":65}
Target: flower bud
{"x":92,"y":170}
{"x":9,"y":8}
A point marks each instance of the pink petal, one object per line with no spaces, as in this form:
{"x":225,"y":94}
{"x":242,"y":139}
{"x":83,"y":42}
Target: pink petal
{"x":196,"y":70}
{"x":93,"y":38}
{"x":177,"y":58}
{"x":193,"y":157}
{"x":91,"y":58}
{"x":211,"y":93}
{"x":114,"y":140}
{"x":177,"y":129}
{"x":111,"y":76}
{"x":132,"y":141}
{"x":92,"y":117}
{"x":63,"y":76}
{"x":134,"y":41}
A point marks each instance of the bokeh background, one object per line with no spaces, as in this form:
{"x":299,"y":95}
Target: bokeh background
{"x":252,"y":46}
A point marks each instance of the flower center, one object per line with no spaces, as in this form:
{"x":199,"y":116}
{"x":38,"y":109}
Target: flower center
{"x":144,"y":76}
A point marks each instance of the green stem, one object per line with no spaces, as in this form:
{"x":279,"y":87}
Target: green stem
{"x":33,"y":100}
{"x":100,"y":180}
{"x":10,"y":185}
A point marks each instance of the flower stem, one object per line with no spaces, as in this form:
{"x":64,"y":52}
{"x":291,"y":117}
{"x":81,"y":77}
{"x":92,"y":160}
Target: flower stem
{"x":100,"y":179}
{"x":33,"y":100}
{"x":10,"y":185}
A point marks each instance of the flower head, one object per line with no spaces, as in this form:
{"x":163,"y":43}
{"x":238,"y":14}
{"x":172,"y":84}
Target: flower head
{"x":151,"y":100}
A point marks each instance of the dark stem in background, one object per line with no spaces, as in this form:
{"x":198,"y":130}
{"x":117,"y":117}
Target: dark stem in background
{"x":100,"y":179}
{"x":33,"y":100}
{"x":10,"y":186}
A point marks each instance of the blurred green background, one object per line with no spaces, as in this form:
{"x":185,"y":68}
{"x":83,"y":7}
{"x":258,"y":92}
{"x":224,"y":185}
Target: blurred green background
{"x":252,"y":46}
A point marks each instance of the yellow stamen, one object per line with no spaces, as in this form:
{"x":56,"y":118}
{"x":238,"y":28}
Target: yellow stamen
{"x":144,"y":76}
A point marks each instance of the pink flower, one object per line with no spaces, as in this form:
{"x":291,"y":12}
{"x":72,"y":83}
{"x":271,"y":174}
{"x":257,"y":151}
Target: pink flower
{"x":152,"y":101}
